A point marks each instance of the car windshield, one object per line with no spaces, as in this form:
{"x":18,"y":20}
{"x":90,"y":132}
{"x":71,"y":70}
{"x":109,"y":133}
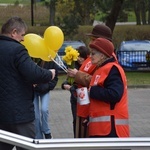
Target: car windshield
{"x":135,"y":46}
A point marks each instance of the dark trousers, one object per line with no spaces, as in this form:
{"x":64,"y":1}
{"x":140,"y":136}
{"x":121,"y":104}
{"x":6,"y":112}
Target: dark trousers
{"x":81,"y":129}
{"x":24,"y":129}
{"x":74,"y":111}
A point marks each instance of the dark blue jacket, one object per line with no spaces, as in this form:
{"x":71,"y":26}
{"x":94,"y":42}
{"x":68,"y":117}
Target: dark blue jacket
{"x":113,"y":87}
{"x":18,"y":73}
{"x":43,"y":88}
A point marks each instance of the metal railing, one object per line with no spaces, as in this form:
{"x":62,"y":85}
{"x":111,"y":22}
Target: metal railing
{"x":74,"y":144}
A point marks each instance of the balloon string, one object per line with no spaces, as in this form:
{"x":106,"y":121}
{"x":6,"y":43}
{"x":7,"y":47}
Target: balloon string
{"x":62,"y":67}
{"x":61,"y":62}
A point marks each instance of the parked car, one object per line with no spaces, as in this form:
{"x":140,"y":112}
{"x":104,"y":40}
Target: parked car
{"x":134,"y":54}
{"x":61,"y":51}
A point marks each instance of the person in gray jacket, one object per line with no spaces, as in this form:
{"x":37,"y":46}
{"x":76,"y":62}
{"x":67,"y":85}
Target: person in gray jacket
{"x":18,"y":74}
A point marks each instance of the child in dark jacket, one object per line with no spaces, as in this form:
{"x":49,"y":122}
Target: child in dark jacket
{"x":41,"y":102}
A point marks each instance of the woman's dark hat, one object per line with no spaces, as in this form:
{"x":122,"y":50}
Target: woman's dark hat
{"x":103,"y":45}
{"x":101,"y":30}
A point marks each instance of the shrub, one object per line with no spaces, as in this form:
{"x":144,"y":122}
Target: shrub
{"x":130,"y":32}
{"x":121,"y":33}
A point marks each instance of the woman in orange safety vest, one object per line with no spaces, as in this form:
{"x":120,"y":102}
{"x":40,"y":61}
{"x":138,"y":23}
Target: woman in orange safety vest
{"x":108,"y":110}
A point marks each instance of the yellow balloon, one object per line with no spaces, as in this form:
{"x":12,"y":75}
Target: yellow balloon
{"x":49,"y":56}
{"x":54,"y":38}
{"x":35,"y":45}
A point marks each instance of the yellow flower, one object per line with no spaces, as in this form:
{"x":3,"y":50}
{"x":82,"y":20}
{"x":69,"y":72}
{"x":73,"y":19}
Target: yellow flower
{"x":71,"y":55}
{"x":70,"y":58}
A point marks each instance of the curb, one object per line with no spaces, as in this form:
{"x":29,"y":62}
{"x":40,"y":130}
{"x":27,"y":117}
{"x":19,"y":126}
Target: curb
{"x":138,"y":86}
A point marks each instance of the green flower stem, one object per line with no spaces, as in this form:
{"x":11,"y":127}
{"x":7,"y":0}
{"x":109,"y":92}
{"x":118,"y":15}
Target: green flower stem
{"x":71,"y":79}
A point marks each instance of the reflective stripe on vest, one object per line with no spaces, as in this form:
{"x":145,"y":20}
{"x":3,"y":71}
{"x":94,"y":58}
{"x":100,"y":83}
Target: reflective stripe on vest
{"x":121,"y":121}
{"x":107,"y":118}
{"x":99,"y":119}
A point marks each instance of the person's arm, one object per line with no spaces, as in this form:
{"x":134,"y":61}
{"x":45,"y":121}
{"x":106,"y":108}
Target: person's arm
{"x":46,"y":87}
{"x":29,"y":70}
{"x":83,"y":78}
{"x":53,"y":82}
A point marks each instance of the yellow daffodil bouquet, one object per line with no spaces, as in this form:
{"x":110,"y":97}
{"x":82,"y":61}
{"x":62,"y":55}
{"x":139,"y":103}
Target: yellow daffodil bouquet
{"x":71,"y":55}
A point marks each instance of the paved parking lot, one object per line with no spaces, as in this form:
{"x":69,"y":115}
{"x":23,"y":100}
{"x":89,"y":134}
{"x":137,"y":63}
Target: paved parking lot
{"x":139,"y":110}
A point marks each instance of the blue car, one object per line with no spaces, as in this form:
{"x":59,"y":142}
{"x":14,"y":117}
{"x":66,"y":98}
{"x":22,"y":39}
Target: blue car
{"x":134,"y":54}
{"x":61,"y":52}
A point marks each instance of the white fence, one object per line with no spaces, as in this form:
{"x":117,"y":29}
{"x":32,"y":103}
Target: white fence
{"x":75,"y":144}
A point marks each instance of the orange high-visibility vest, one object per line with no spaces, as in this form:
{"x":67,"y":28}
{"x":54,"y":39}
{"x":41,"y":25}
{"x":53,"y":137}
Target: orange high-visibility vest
{"x":100,"y":112}
{"x":88,"y":67}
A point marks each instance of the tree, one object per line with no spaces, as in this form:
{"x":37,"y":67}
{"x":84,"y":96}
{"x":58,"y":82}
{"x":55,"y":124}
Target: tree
{"x":52,"y":11}
{"x":137,"y":12}
{"x":85,"y":10}
{"x":112,"y":17}
{"x":51,"y":5}
{"x":71,"y":13}
{"x":32,"y":12}
{"x":148,"y":12}
{"x":143,"y":11}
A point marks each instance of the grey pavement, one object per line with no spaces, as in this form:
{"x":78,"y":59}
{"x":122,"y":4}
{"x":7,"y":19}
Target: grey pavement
{"x":139,"y":112}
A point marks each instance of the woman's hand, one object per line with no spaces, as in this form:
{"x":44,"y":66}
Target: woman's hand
{"x":72,"y":72}
{"x":67,"y":87}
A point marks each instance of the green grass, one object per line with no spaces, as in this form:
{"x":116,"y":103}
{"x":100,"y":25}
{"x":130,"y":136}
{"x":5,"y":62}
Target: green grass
{"x":8,"y":1}
{"x":138,"y":78}
{"x":13,"y":1}
{"x":131,"y":17}
{"x":133,"y":78}
{"x":61,"y":79}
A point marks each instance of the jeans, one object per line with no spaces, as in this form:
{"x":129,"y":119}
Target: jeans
{"x":41,"y":106}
